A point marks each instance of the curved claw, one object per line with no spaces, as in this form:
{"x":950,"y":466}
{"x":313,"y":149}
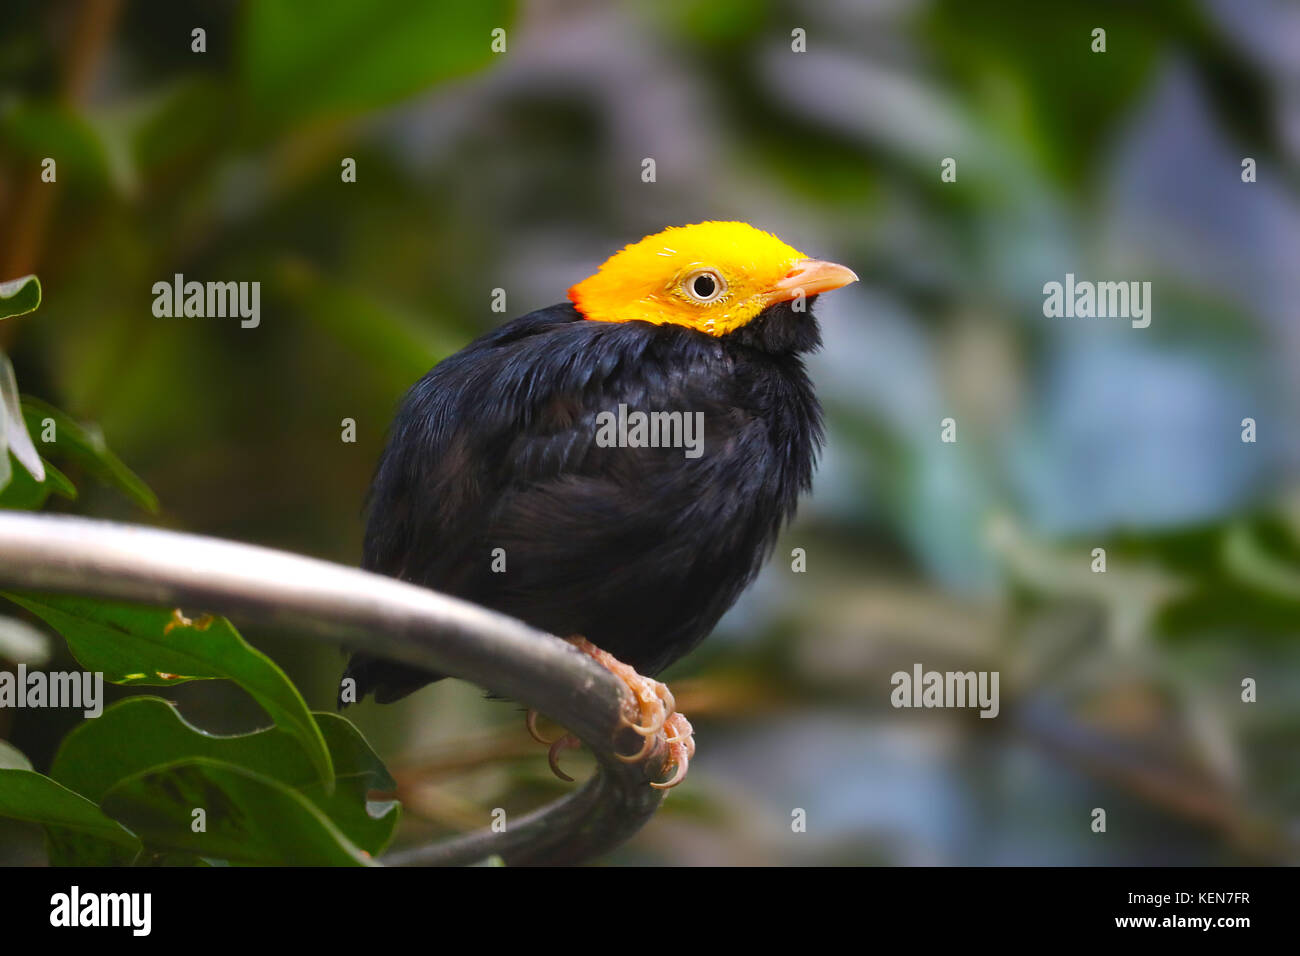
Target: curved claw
{"x":647,"y":743}
{"x":567,"y":742}
{"x":686,"y":740}
{"x":666,"y":695}
{"x":682,"y":732}
{"x":531,"y":723}
{"x":657,"y":713}
{"x":648,"y":730}
{"x":683,"y":763}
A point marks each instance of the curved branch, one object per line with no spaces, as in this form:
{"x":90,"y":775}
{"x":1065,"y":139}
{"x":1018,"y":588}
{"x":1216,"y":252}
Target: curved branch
{"x":332,"y":603}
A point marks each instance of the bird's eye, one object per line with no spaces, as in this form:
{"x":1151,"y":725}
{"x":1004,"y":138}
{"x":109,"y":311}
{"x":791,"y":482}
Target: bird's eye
{"x":704,"y":286}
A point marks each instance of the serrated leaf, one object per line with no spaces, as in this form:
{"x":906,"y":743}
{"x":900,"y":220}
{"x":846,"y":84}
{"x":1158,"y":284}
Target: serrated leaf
{"x":19,"y":296}
{"x":77,"y":831}
{"x":85,"y":445}
{"x":248,"y":818}
{"x":130,"y":644}
{"x":142,"y":732}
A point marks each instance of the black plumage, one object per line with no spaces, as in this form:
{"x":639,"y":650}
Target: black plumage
{"x":640,"y":550}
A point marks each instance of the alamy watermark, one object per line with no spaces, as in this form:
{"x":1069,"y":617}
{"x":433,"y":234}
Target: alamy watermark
{"x":80,"y":690}
{"x":922,"y":688}
{"x":638,"y":429}
{"x":209,"y":300}
{"x":133,"y":911}
{"x":1085,"y":299}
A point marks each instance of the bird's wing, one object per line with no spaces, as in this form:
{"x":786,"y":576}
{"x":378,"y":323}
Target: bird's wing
{"x":495,"y":488}
{"x":436,"y":478}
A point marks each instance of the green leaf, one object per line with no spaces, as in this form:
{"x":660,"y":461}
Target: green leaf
{"x":85,"y":445}
{"x":358,"y":770}
{"x":13,"y":430}
{"x":76,"y":829}
{"x":248,"y":817}
{"x":138,"y":733}
{"x":25,"y":493}
{"x":143,"y":645}
{"x":300,"y":58}
{"x":19,"y":296}
{"x":37,"y":129}
{"x":1246,"y":559}
{"x":1068,"y":100}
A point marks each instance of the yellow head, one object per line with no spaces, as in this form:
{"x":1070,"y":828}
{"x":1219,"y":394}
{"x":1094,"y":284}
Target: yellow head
{"x":713,"y":277}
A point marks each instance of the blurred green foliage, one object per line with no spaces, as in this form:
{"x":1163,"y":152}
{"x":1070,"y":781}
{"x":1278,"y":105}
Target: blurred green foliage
{"x":137,"y":784}
{"x":521,"y":171}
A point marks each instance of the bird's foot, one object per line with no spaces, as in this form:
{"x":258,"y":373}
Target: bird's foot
{"x":681,"y":748}
{"x":659,"y":722}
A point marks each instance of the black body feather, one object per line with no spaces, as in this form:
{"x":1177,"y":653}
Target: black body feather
{"x":641,"y":550}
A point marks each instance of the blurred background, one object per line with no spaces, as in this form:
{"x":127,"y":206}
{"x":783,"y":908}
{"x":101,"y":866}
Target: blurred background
{"x":523,"y":170}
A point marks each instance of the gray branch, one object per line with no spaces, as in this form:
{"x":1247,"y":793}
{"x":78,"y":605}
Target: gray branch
{"x":335,"y":604}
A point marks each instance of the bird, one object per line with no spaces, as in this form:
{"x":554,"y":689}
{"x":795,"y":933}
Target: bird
{"x":518,"y":476}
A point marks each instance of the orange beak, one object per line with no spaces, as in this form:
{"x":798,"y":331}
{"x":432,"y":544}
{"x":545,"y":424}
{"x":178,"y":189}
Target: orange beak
{"x":812,"y":277}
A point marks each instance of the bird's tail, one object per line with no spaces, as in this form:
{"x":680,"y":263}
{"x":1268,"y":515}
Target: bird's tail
{"x":387,"y":680}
